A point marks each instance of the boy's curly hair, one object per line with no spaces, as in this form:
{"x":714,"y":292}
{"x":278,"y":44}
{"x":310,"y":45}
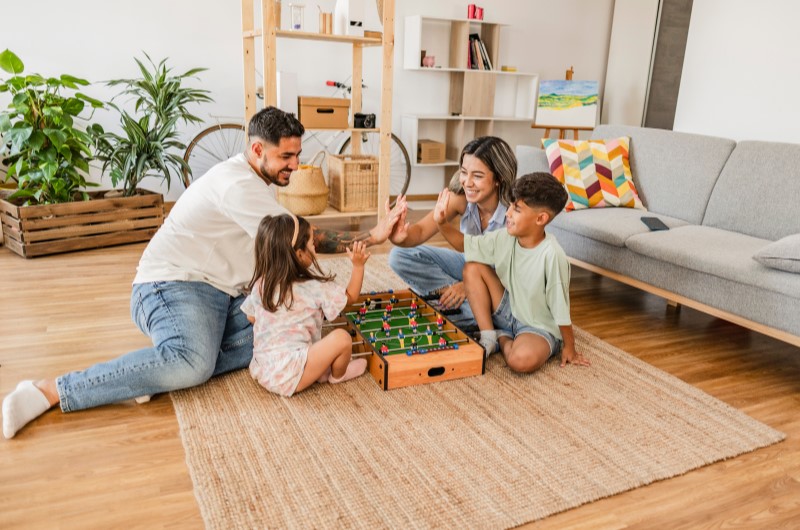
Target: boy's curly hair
{"x":540,"y":190}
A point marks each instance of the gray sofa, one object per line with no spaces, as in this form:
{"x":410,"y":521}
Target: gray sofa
{"x":726,"y":204}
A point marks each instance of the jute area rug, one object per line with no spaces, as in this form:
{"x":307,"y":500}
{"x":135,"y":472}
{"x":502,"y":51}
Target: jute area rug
{"x":492,"y":451}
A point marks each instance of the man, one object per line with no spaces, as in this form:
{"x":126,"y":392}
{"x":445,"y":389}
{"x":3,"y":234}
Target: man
{"x":188,"y":287}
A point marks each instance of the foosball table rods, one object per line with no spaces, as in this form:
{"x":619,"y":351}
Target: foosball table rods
{"x":404,"y":349}
{"x":329,"y":324}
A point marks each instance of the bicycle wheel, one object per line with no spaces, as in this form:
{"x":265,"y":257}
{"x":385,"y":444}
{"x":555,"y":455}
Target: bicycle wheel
{"x":400,"y":172}
{"x":212,"y":146}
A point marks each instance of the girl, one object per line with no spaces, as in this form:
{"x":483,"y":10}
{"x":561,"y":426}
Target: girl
{"x":289,"y":295}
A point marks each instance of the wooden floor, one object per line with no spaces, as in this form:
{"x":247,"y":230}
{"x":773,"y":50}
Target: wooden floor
{"x":123,"y":465}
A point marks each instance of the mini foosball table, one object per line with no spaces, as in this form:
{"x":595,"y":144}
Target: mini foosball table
{"x":407,"y":341}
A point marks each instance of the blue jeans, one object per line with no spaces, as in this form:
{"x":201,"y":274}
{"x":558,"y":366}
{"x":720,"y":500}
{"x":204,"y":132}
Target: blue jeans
{"x":425,"y":269}
{"x":197,"y":330}
{"x":507,"y":325}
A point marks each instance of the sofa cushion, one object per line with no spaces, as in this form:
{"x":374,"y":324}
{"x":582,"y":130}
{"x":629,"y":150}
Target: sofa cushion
{"x":757,"y":191}
{"x":612,"y":226}
{"x":783,"y":254}
{"x":674,"y":172}
{"x":596,"y":173}
{"x":717,"y":252}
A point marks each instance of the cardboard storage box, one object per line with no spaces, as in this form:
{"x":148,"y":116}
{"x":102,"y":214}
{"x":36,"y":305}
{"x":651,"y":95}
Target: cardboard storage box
{"x":323,"y":113}
{"x":430,"y":152}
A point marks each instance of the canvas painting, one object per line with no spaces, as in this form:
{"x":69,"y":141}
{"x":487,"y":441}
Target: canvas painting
{"x":567,"y":104}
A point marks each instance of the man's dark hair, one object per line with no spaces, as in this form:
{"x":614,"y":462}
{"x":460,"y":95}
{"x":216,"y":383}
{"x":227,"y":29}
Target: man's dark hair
{"x":272,"y":124}
{"x":540,"y":190}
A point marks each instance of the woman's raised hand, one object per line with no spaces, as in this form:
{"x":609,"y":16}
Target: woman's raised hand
{"x":440,"y":210}
{"x":399,"y":232}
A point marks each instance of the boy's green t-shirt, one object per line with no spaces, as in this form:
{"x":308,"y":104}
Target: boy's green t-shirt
{"x":537,"y":279}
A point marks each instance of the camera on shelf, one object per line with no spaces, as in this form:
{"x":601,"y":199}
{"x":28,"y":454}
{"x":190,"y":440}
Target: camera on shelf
{"x":363,"y":121}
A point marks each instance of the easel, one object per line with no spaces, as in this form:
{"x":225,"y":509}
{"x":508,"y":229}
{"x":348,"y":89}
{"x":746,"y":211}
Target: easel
{"x":562,"y":131}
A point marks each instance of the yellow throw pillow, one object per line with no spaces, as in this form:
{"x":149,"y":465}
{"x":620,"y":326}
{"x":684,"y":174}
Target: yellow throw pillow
{"x":596,"y":173}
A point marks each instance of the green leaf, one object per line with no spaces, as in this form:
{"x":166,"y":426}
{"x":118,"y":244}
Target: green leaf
{"x":35,"y":80}
{"x":5,"y":122}
{"x":16,"y":83}
{"x":81,"y":164}
{"x":66,"y":78}
{"x":48,"y":170}
{"x":73,"y":106}
{"x":54,"y":113}
{"x":36,"y":140}
{"x":57,"y":137}
{"x":10,"y":62}
{"x":95,"y":103}
{"x":18,"y":135}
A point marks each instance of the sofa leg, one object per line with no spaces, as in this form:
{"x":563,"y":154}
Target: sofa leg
{"x":673,"y":304}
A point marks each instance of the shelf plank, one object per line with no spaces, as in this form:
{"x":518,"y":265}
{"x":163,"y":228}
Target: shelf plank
{"x":351,"y":129}
{"x":438,"y":164}
{"x":332,"y":213}
{"x":306,"y":35}
{"x":443,"y":117}
{"x":473,"y":21}
{"x":471,"y":70}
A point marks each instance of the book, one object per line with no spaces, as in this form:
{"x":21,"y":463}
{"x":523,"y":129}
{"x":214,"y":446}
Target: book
{"x":479,"y":55}
{"x":477,"y":46}
{"x":477,"y":63}
{"x":485,"y":55}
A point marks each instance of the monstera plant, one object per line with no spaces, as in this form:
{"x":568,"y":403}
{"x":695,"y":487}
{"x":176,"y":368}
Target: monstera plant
{"x":149,"y":143}
{"x":45,"y":147}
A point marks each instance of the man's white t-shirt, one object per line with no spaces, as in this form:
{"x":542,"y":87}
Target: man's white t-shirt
{"x":209,"y":235}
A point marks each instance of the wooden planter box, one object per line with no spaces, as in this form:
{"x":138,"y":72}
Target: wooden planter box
{"x":53,"y":228}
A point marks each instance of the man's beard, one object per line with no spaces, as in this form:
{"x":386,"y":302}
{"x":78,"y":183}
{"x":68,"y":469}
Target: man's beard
{"x":269,"y":178}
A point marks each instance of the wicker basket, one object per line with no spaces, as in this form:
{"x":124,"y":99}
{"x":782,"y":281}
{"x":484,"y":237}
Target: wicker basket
{"x":307,"y":193}
{"x":354,"y":182}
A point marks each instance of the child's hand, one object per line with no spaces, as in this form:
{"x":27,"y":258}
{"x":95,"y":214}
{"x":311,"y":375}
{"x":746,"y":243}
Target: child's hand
{"x":440,"y":211}
{"x":358,"y":253}
{"x":570,"y":356}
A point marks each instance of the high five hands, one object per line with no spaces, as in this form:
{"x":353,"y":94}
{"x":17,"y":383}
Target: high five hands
{"x":393,"y":222}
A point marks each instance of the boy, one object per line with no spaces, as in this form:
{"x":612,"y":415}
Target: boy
{"x":517,"y":279}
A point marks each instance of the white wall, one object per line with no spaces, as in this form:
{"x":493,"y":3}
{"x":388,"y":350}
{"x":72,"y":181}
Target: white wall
{"x":97,"y":40}
{"x":740,"y":75}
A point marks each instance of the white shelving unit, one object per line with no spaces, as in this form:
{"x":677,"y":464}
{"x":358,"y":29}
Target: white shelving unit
{"x":475,"y":95}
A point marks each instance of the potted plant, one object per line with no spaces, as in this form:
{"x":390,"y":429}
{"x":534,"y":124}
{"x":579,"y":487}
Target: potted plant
{"x":47,"y":155}
{"x":46,"y":151}
{"x":149,"y":144}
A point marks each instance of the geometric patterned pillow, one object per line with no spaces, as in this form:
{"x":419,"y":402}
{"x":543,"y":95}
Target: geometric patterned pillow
{"x":596,"y":173}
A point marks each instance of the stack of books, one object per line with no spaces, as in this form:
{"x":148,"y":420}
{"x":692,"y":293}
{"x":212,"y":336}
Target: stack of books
{"x":478,"y":57}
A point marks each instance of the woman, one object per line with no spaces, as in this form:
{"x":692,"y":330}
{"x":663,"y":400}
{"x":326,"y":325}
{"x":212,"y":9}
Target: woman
{"x":482,"y":188}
